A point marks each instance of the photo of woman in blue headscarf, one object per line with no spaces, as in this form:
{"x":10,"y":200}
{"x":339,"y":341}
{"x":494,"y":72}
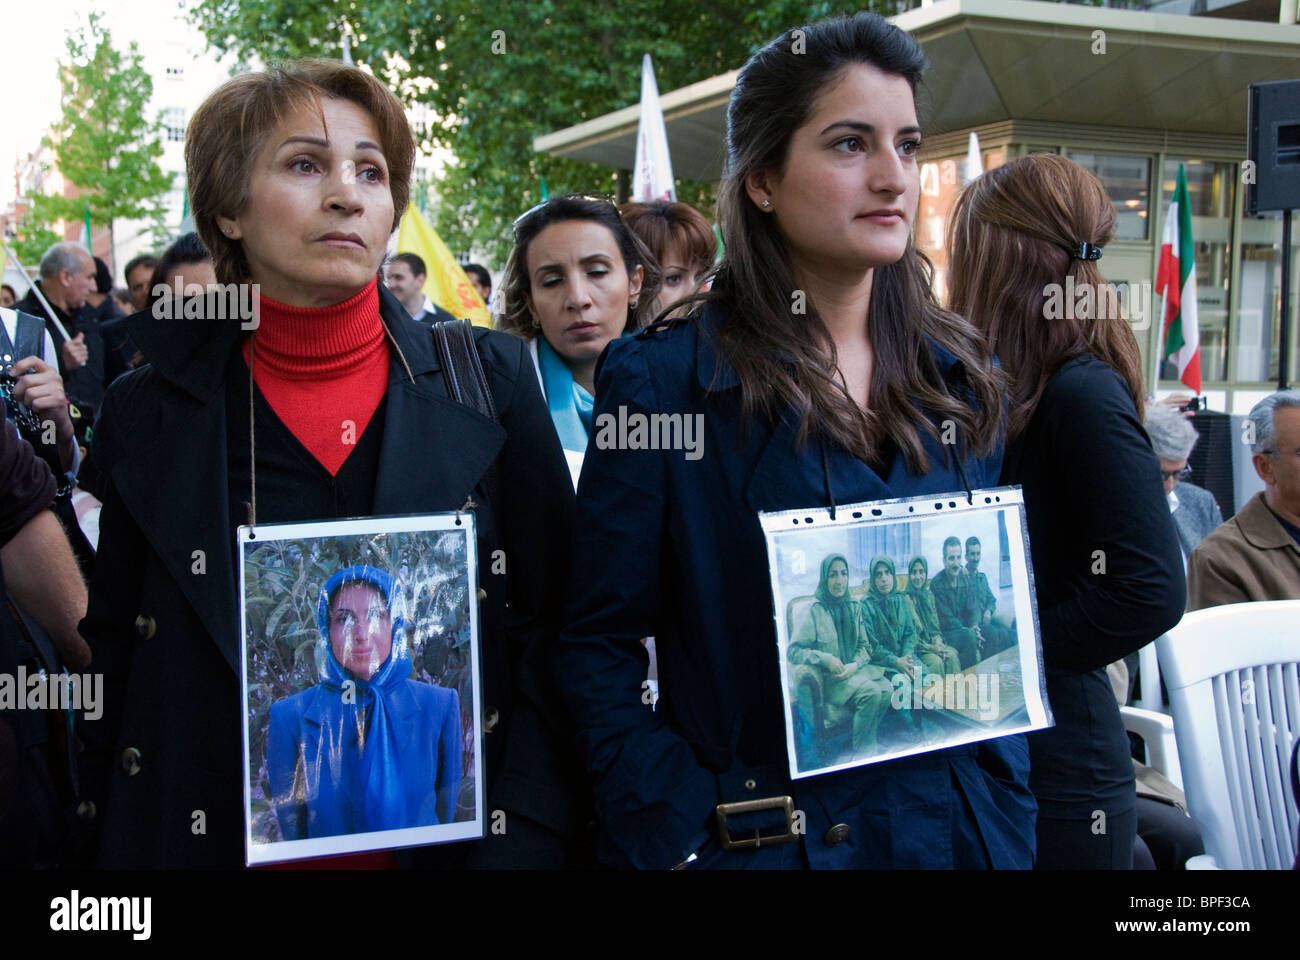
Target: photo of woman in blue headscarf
{"x":366,"y":748}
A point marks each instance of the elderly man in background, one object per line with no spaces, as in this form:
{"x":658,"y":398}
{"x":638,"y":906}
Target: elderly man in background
{"x":1194,"y":509}
{"x":1256,"y":554}
{"x":67,"y":280}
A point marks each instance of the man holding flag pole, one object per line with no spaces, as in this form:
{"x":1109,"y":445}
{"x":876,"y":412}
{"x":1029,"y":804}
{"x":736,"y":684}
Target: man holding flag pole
{"x":1176,"y":284}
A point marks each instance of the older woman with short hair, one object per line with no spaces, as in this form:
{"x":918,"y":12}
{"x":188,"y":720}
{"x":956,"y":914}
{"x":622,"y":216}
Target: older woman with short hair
{"x":1194,"y":509}
{"x":333,"y":406}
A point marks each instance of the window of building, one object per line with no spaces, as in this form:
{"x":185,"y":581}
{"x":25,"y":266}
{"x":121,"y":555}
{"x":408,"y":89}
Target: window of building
{"x":941,"y":182}
{"x":175,"y":73}
{"x":174,"y":124}
{"x":1127,"y":180}
{"x":1259,"y":300}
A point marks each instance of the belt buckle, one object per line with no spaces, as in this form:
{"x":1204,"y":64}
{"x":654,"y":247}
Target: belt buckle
{"x":723,"y":810}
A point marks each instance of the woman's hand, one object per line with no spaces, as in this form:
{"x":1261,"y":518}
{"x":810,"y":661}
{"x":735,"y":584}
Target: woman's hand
{"x":833,"y":664}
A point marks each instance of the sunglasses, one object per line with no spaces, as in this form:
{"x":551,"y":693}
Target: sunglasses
{"x":1184,"y":474}
{"x":591,"y":197}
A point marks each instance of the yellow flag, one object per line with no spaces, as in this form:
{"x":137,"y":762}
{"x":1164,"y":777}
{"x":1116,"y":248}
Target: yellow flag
{"x":445,"y":282}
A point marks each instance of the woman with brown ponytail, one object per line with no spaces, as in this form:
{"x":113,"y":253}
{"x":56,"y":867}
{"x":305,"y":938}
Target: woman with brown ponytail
{"x":1105,"y":553}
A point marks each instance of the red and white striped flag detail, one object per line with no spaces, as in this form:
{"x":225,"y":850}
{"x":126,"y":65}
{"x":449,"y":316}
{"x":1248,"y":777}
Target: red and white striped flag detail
{"x":1176,"y":284}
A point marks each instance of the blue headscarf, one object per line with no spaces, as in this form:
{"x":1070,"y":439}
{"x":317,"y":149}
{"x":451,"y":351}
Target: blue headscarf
{"x":569,"y":403}
{"x":372,"y":779}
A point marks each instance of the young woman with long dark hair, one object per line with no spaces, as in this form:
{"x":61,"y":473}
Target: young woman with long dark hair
{"x":817,"y":370}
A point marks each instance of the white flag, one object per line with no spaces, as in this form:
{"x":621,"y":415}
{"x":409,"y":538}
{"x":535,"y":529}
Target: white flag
{"x":652,"y":179}
{"x":974,"y":165}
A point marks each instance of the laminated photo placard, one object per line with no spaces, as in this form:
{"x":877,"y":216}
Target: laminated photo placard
{"x":904,"y":626}
{"x":361,"y":689}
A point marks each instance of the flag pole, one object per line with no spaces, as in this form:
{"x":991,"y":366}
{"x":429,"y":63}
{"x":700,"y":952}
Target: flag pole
{"x":1284,"y":338}
{"x":1159,"y":325}
{"x":31,"y":284}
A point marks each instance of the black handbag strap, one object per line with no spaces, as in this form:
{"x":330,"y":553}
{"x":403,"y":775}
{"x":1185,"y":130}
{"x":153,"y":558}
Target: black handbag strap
{"x":466,"y":382}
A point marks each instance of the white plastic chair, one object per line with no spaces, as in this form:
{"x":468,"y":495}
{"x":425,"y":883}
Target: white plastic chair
{"x":1157,"y":733}
{"x":1149,"y":697}
{"x":1232,"y":677}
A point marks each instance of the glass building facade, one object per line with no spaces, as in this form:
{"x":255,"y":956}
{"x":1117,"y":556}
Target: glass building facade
{"x":1238,"y":256}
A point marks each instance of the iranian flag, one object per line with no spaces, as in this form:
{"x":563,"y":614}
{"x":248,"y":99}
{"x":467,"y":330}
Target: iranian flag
{"x":1176,"y":284}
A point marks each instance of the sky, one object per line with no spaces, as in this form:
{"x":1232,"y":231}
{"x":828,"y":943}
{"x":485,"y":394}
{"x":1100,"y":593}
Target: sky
{"x":32,"y":57}
{"x":159,"y":29}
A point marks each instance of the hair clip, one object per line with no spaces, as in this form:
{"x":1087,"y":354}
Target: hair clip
{"x":1086,"y":251}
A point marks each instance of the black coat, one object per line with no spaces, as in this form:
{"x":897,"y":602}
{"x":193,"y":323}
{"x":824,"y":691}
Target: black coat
{"x":167,"y":638}
{"x":1107,"y":575}
{"x":85,"y":385}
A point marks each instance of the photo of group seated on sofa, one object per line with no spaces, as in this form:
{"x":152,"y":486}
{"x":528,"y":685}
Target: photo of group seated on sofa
{"x":903,"y":637}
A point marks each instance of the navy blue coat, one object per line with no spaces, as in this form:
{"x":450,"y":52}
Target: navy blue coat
{"x":671,"y":548}
{"x":427,"y":719}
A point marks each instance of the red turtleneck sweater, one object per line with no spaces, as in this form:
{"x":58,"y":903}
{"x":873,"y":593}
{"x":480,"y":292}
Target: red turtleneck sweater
{"x":323,"y":370}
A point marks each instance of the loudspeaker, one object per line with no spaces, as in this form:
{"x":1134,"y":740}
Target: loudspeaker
{"x":1273,"y":143}
{"x":1211,"y":458}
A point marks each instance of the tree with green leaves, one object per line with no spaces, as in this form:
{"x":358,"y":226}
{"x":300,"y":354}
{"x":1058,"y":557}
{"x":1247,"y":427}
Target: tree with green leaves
{"x":104,"y":143}
{"x":497,"y":73}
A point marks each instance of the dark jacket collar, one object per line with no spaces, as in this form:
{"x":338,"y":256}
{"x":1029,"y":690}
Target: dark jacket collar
{"x":1261,"y":527}
{"x":192,"y":354}
{"x":420,"y":426}
{"x":715,"y":373}
{"x":784,"y":477}
{"x":29,"y":304}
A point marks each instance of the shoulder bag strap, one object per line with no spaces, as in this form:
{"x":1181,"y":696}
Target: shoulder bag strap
{"x":466,"y":382}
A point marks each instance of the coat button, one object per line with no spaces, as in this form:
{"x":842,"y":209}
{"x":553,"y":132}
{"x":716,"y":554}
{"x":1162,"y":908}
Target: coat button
{"x":490,"y":720}
{"x":837,"y":834}
{"x":145,"y":627}
{"x":131,"y":761}
{"x":86,"y":810}
{"x":751,"y":784}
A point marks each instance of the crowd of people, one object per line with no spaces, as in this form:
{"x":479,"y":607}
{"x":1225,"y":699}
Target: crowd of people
{"x":623,"y":562}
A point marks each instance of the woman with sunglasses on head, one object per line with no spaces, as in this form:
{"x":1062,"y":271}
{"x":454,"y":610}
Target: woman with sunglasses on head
{"x":820,"y":369}
{"x":576,"y":279}
{"x":1105,"y":553}
{"x":334,"y":405}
